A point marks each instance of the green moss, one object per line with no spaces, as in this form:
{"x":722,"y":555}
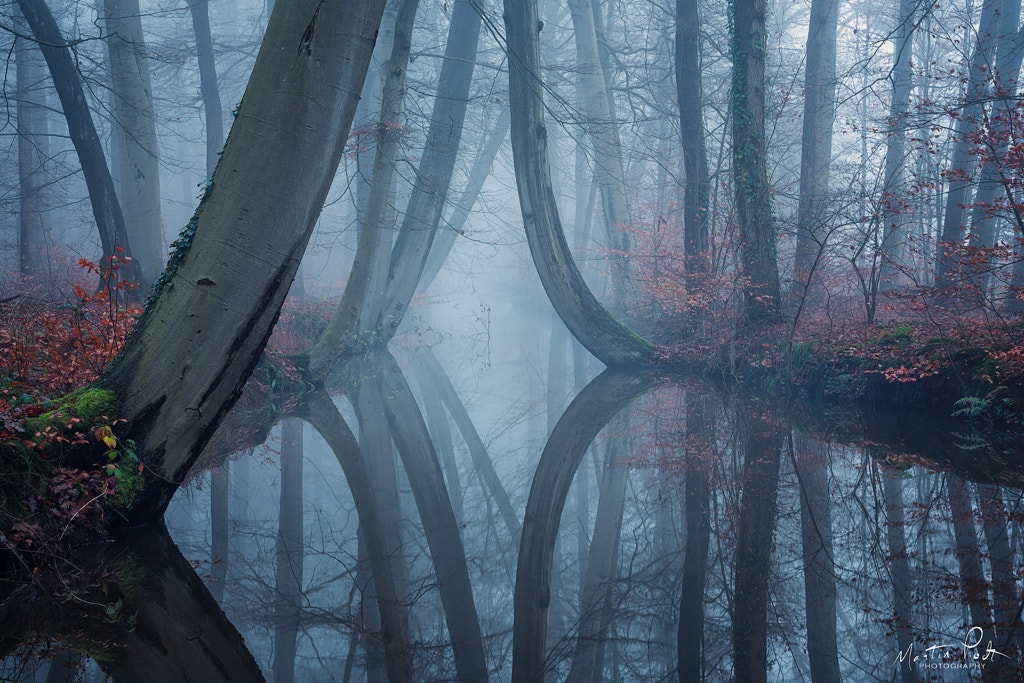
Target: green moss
{"x":129,"y":483}
{"x":86,"y":407}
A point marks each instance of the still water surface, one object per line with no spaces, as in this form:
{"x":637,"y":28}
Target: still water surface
{"x":649,"y":530}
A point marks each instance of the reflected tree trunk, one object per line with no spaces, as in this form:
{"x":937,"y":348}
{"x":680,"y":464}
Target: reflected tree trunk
{"x":439,"y":525}
{"x":323,"y":415}
{"x":442,"y":386}
{"x":601,"y":400}
{"x":690,"y":639}
{"x":812,"y":467}
{"x":902,"y":582}
{"x":762,"y":445}
{"x":595,"y":595}
{"x":996,"y":523}
{"x":441,"y":437}
{"x":289,"y":551}
{"x":974,"y":587}
{"x":220,"y":478}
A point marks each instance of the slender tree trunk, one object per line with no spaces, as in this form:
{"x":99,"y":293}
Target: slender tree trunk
{"x":759,"y":260}
{"x":958,"y":194}
{"x":357,"y":310}
{"x":690,"y":640}
{"x":32,"y":147}
{"x":215,"y":307}
{"x":105,"y":207}
{"x":691,"y":131}
{"x":604,"y":336}
{"x":208,"y":88}
{"x":815,"y":149}
{"x":220,"y":478}
{"x":434,"y":174}
{"x":602,"y":128}
{"x":441,"y":437}
{"x":812,"y":467}
{"x":892,"y":215}
{"x":460,"y":213}
{"x":135,"y":123}
{"x":290,"y":550}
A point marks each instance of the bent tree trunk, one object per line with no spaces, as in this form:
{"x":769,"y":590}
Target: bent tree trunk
{"x":595,"y":328}
{"x":598,"y":403}
{"x":105,"y":207}
{"x":216,"y":304}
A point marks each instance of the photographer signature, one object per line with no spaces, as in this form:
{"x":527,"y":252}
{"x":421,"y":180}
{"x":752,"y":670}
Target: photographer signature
{"x":970,"y":647}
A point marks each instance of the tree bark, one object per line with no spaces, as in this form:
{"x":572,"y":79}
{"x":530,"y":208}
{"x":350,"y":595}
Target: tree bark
{"x":355,"y":317}
{"x":958,"y":194}
{"x":604,"y":336}
{"x":892,"y":217}
{"x":759,"y":260}
{"x":219,"y":547}
{"x":902,"y":582}
{"x":215,"y":307}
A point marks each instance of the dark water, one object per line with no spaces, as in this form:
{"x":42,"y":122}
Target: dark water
{"x":671,"y":533}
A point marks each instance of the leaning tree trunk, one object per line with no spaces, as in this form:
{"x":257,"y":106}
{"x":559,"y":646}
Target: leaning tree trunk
{"x":290,"y":548}
{"x":215,"y":306}
{"x":208,"y":88}
{"x":759,"y":260}
{"x":604,"y":336}
{"x":105,"y":208}
{"x":135,"y":124}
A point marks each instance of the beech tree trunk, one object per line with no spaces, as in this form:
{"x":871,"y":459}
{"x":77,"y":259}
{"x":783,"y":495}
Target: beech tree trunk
{"x":815,"y":150}
{"x":892,"y":216}
{"x":902,"y":582}
{"x":135,"y":124}
{"x":32,"y":146}
{"x":759,"y":259}
{"x":691,"y":131}
{"x":105,"y":207}
{"x":604,"y":336}
{"x":216,"y":305}
{"x":208,"y":87}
